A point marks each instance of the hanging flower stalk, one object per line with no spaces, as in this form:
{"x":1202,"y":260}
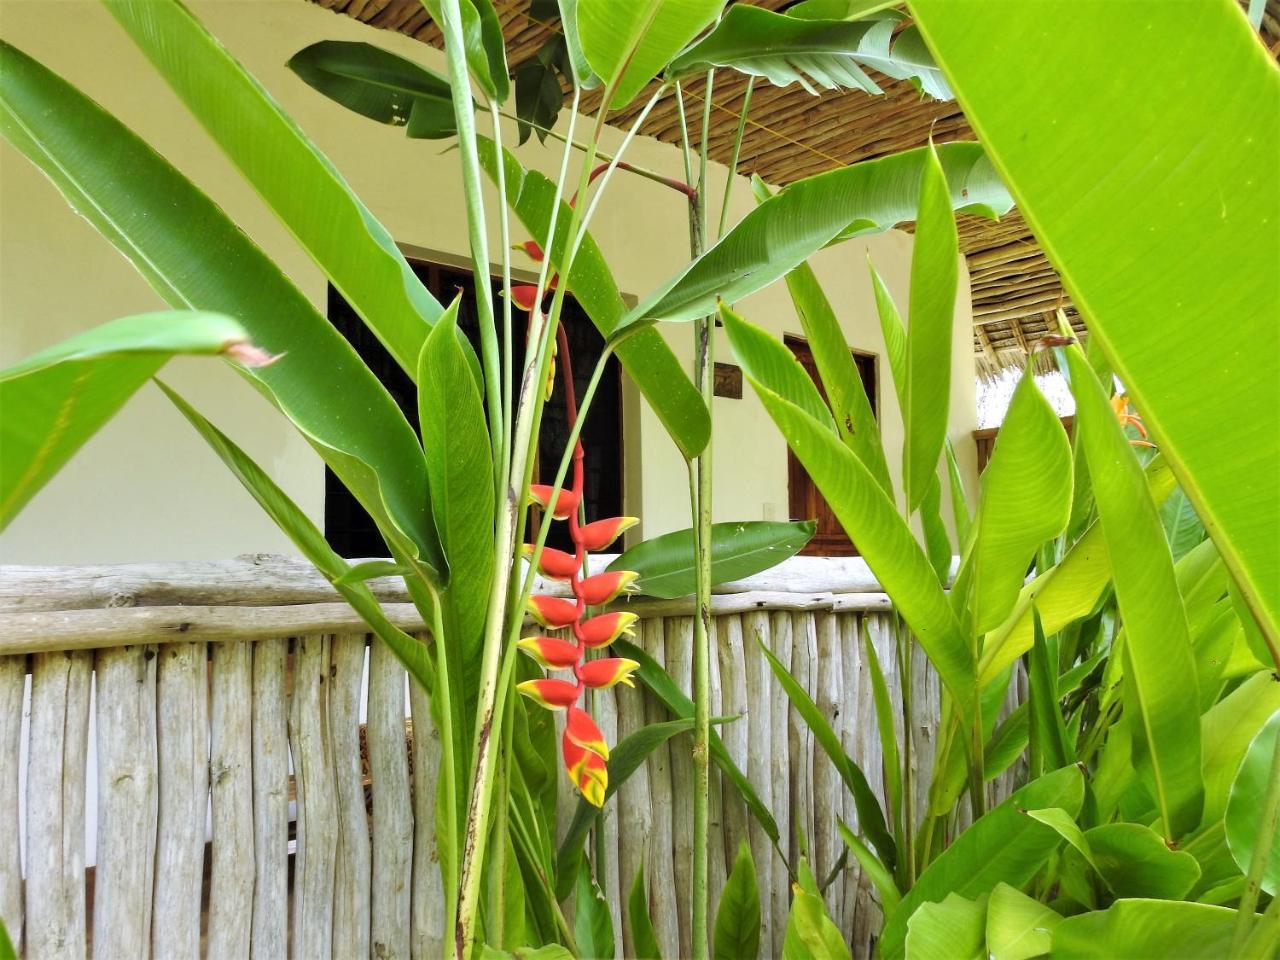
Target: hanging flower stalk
{"x":583,"y":746}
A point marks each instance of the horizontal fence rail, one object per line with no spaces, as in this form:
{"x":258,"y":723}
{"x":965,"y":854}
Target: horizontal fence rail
{"x":212,"y":756}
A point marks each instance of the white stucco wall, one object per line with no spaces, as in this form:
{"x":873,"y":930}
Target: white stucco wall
{"x":146,"y":488}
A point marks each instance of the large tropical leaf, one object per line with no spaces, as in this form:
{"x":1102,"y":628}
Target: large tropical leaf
{"x":737,"y":930}
{"x":954,"y":928}
{"x":1135,"y":862}
{"x":1227,"y":730}
{"x":668,"y":567}
{"x":413,"y":654}
{"x":294,"y":178}
{"x":482,"y":42}
{"x":785,"y":49}
{"x":1018,"y":927}
{"x":1168,"y":192}
{"x":628,"y":44}
{"x":55,"y":400}
{"x":194,"y":257}
{"x":934,"y":271}
{"x":869,"y":516}
{"x":1247,"y":807}
{"x":456,"y":440}
{"x":845,"y":392}
{"x":1146,"y":928}
{"x":784,"y":231}
{"x":1159,"y":666}
{"x":1005,"y":846}
{"x":645,"y":355}
{"x":642,"y":935}
{"x":811,"y":934}
{"x":1026,"y":500}
{"x":380,"y":85}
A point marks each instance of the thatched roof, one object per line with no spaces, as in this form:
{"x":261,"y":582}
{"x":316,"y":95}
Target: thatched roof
{"x":791,"y":134}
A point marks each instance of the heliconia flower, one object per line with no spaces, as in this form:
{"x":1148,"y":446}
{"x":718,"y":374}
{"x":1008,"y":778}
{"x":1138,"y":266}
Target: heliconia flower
{"x":550,"y":652}
{"x":550,"y":693}
{"x":579,"y":728}
{"x":605,"y":587}
{"x":566,"y":501}
{"x":589,"y":772}
{"x":523,"y":295}
{"x":554,"y":613}
{"x":601,"y":534}
{"x":603,"y":630}
{"x":532,"y":248}
{"x":608,"y":671}
{"x":554,"y":564}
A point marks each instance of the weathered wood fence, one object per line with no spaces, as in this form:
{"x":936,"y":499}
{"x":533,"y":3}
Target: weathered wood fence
{"x":181,"y":764}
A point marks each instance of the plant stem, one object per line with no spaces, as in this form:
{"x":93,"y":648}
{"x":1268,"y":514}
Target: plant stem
{"x":904,"y":649}
{"x":733,"y":158}
{"x":475,"y":836}
{"x":703,"y":366}
{"x":464,"y":113}
{"x":504,"y":221}
{"x":448,"y":761}
{"x":1262,"y":848}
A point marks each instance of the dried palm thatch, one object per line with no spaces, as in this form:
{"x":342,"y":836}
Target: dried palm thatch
{"x":792,"y":134}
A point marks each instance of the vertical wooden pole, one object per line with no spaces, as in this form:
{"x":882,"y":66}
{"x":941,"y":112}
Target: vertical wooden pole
{"x":231,"y":796}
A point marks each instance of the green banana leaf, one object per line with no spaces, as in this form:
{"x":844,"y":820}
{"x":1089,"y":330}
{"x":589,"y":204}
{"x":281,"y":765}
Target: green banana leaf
{"x":814,"y":53}
{"x":585,"y":77}
{"x":881,"y":876}
{"x":592,"y":921}
{"x":667,"y":565}
{"x":934,"y":272}
{"x":1005,"y":846}
{"x":380,"y":85}
{"x":1247,"y":806}
{"x":55,"y":400}
{"x":1146,"y":928}
{"x":784,"y":231}
{"x":628,"y":44}
{"x":192,"y":255}
{"x":954,"y":927}
{"x":456,"y":440}
{"x":1135,"y":862}
{"x":1026,"y":500}
{"x":295,"y":179}
{"x":1018,"y":927}
{"x":485,"y":47}
{"x":868,"y":515}
{"x":1169,"y":190}
{"x":1159,"y":665}
{"x":642,"y":935}
{"x":810,"y":933}
{"x":645,"y":355}
{"x":737,"y":928}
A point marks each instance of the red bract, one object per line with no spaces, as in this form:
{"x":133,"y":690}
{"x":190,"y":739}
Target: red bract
{"x":601,"y":534}
{"x":587,"y":770}
{"x":552,"y":694}
{"x":582,"y":730}
{"x":566,"y":501}
{"x":605,"y":587}
{"x":550,"y":652}
{"x":554,"y":564}
{"x":608,"y":671}
{"x":603,"y":630}
{"x":554,"y":613}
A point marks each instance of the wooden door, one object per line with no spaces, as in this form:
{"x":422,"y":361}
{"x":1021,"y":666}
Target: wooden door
{"x":804,"y":500}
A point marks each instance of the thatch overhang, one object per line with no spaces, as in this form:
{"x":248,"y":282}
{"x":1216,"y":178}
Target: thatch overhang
{"x":791,"y":133}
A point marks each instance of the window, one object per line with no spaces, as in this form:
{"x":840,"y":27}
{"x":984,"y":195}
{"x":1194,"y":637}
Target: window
{"x":805,"y":502}
{"x":351,"y":531}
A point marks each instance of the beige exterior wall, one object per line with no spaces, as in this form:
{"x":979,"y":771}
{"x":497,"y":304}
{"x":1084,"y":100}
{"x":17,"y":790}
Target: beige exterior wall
{"x":146,"y":488}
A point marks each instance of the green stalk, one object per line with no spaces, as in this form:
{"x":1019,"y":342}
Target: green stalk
{"x":1262,"y":847}
{"x":464,"y":113}
{"x":448,"y":768}
{"x":904,"y":650}
{"x":737,"y":150}
{"x":476,"y":833}
{"x":703,"y":367}
{"x":504,"y":221}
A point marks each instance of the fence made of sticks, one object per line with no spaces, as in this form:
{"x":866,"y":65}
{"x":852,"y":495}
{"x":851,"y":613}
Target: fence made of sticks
{"x":213,"y":759}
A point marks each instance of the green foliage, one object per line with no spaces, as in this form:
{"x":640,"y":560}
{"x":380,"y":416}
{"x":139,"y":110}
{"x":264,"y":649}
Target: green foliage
{"x":737,"y":931}
{"x":1252,"y":809}
{"x":68,"y":391}
{"x":645,"y":940}
{"x":810,"y":933}
{"x":592,"y":924}
{"x":667,"y":564}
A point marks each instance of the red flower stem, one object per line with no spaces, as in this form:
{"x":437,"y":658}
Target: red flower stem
{"x":575,"y":530}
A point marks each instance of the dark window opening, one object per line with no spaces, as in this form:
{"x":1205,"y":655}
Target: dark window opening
{"x":805,"y":501}
{"x":351,"y":531}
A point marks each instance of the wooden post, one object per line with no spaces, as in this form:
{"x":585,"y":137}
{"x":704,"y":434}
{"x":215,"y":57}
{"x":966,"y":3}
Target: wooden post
{"x":352,"y":856}
{"x":679,"y":662}
{"x":661,"y":869}
{"x":828,"y":790}
{"x":55,"y":923}
{"x":270,"y":934}
{"x":13,"y":675}
{"x":317,"y":806}
{"x":392,"y":810}
{"x":635,"y":809}
{"x":427,"y":932}
{"x":127,"y":801}
{"x":780,"y":777}
{"x":183,"y":748}
{"x":231,"y":796}
{"x":755,"y":628}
